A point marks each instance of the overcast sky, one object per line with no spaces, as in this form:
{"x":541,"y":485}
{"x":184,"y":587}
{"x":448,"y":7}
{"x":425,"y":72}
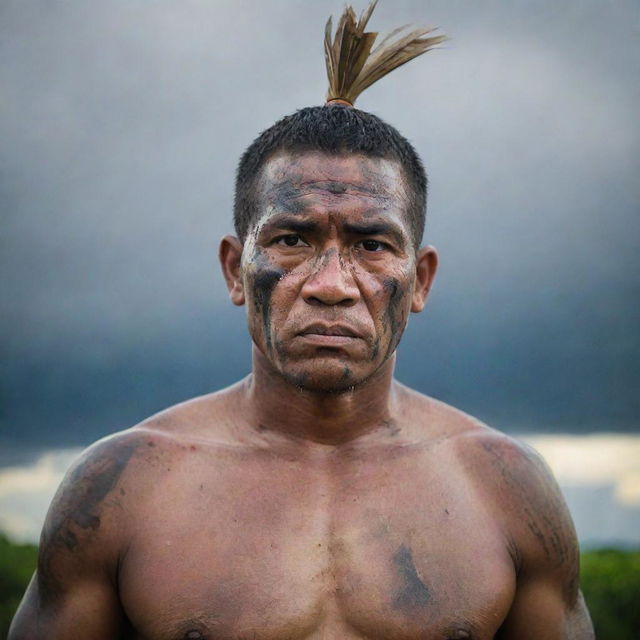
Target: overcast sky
{"x":121,"y":123}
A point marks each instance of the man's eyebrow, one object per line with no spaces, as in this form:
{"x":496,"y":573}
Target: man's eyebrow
{"x":374,"y":229}
{"x":286,"y":223}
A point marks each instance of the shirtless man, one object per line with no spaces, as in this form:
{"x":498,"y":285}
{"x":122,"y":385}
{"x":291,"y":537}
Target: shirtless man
{"x":318,"y":497}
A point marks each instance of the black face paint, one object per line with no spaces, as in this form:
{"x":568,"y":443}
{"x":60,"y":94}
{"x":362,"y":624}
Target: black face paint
{"x":285,"y":197}
{"x":264,"y":278}
{"x":263,"y":284}
{"x":375,"y":349}
{"x":396,"y":295}
{"x":336,"y":188}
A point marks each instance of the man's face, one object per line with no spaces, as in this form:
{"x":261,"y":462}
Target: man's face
{"x":328,"y":270}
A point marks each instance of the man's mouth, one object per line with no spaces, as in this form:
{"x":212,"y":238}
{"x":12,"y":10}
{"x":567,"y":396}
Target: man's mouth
{"x":329,"y":335}
{"x":335,"y":330}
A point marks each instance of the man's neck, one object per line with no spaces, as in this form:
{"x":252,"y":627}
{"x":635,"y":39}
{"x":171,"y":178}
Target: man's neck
{"x":320,"y":417}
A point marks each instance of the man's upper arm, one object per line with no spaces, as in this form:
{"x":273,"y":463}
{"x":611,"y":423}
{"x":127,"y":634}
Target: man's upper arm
{"x":73,"y":592}
{"x":80,"y":608}
{"x":548,"y":604}
{"x":540,"y":612}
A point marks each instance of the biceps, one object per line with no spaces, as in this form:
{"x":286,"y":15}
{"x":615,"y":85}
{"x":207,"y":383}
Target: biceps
{"x":539,"y":612}
{"x":85,"y":609}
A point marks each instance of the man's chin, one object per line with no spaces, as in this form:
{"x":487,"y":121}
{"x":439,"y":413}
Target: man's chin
{"x":323,"y":377}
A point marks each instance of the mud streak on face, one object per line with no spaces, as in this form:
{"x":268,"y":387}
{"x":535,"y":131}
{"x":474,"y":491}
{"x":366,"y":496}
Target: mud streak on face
{"x":285,"y":196}
{"x":263,"y":281}
{"x":396,"y":295}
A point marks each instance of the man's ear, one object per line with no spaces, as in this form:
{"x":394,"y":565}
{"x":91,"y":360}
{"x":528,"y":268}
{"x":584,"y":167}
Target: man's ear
{"x":230,"y":255}
{"x":426,"y":267}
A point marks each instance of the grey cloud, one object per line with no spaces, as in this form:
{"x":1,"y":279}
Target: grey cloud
{"x":122,"y":123}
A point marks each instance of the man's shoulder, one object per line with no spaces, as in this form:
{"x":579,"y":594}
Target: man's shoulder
{"x":441,"y":422}
{"x":108,"y":481}
{"x":211,"y":417}
{"x":90,"y":495}
{"x":496,"y":462}
{"x":507,"y":473}
{"x":519,"y":491}
{"x":169,"y":429}
{"x":473,"y":440}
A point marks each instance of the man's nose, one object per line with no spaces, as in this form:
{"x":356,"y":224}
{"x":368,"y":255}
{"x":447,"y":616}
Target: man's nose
{"x":331,"y":282}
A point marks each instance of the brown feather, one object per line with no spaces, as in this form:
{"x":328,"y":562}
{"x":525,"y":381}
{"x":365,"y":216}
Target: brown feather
{"x":353,"y":64}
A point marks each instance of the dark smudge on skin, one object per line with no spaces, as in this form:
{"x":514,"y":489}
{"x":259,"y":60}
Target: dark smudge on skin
{"x":396,"y":294}
{"x":413,"y":593}
{"x":336,"y":187}
{"x":554,"y":536}
{"x":535,"y":529}
{"x":392,"y":426}
{"x":264,"y":283}
{"x":78,"y":505}
{"x":264,"y":278}
{"x":85,"y":490}
{"x":375,"y":349}
{"x":285,"y":196}
{"x":285,"y":193}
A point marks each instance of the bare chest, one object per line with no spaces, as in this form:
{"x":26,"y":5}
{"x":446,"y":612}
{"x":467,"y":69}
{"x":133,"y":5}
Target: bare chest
{"x":287,"y":550}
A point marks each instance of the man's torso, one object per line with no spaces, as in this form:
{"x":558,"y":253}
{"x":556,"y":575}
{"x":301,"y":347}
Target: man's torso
{"x":265,"y":539}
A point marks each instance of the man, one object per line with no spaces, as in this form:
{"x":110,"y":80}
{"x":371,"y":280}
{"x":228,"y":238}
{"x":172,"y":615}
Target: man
{"x":318,"y":497}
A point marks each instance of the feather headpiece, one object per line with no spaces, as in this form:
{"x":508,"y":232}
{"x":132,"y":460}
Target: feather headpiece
{"x":353,"y":64}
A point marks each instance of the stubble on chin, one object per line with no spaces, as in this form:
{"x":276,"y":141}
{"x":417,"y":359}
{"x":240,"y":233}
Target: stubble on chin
{"x":320,"y":377}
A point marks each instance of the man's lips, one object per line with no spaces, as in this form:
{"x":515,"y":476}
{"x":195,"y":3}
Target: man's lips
{"x":329,"y":335}
{"x":336,"y":330}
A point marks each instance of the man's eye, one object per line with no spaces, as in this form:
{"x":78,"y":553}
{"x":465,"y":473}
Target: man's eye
{"x":291,"y":240}
{"x":372,"y":245}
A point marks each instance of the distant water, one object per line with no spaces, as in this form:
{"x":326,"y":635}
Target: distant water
{"x":599,"y":475}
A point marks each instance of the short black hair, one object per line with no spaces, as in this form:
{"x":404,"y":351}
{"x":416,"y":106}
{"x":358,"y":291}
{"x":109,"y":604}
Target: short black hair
{"x":333,"y":129}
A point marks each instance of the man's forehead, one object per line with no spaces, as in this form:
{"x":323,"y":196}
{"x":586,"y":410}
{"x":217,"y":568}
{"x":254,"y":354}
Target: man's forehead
{"x":292,"y":175}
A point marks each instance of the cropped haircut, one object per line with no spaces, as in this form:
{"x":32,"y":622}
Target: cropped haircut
{"x":333,"y":129}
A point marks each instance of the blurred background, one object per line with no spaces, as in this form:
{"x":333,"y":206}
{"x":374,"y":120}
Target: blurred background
{"x":121,"y":123}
